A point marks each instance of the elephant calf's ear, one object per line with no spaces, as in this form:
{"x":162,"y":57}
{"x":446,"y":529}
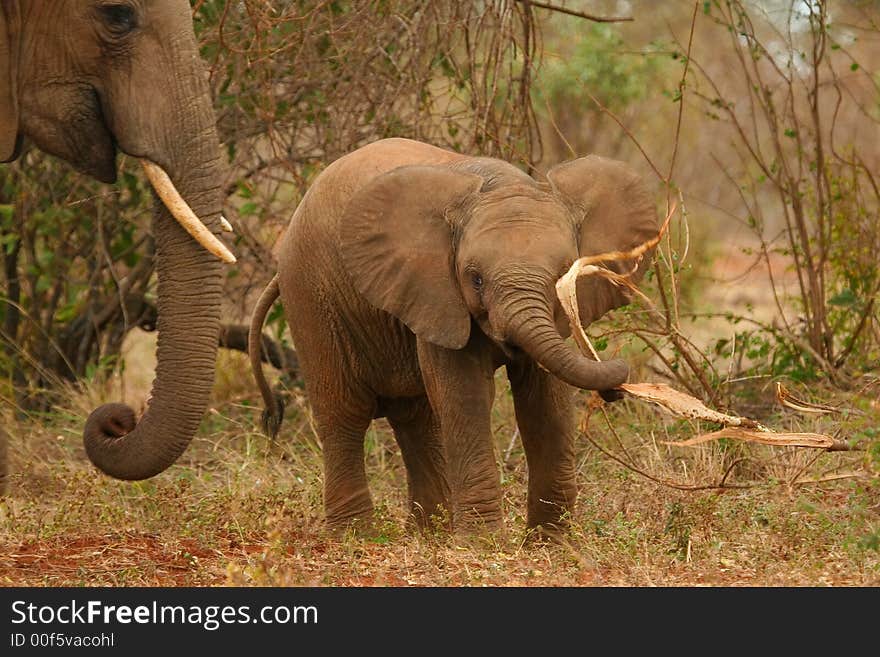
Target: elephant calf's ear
{"x":397,"y":245}
{"x":617,"y":213}
{"x":9,"y":22}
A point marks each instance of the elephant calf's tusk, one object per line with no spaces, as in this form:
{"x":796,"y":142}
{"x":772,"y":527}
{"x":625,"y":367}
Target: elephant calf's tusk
{"x":181,"y":211}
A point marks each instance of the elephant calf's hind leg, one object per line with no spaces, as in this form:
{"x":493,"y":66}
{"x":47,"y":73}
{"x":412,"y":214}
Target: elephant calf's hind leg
{"x":418,"y":434}
{"x":341,"y":427}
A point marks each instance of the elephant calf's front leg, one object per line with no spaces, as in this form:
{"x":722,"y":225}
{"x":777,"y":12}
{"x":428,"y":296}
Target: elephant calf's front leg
{"x":460,"y":390}
{"x":545,"y":415}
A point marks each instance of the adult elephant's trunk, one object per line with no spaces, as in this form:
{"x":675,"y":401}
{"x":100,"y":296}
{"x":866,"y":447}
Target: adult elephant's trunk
{"x":189,"y":321}
{"x":527,"y":321}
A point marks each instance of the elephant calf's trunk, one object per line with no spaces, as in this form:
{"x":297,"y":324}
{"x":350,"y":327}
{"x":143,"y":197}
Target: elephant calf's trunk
{"x":533,"y":329}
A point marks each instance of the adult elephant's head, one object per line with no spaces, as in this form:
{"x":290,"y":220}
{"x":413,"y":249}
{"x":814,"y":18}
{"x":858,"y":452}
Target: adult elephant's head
{"x":440,"y":246}
{"x":84,"y":79}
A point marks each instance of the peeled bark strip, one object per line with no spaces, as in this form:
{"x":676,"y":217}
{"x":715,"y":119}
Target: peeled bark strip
{"x":566,"y":286}
{"x":683,"y":405}
{"x":566,"y":291}
{"x":184,"y":215}
{"x":766,"y":437}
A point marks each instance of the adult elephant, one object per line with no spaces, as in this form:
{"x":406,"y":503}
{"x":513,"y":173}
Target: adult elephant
{"x":409,"y":274}
{"x":83,"y":80}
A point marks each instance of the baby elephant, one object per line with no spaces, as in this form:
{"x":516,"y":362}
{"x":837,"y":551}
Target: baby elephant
{"x":409,"y":274}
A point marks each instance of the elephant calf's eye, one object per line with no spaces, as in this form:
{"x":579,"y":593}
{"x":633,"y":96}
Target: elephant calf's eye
{"x":119,"y":18}
{"x":476,"y":280}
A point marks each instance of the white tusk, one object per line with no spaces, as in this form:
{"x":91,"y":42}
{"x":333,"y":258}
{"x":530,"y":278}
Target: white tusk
{"x":224,"y":223}
{"x":183,"y":213}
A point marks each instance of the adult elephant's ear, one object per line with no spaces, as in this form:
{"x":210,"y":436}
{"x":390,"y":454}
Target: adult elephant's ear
{"x":396,"y":241}
{"x":616,"y":213}
{"x":9,"y":25}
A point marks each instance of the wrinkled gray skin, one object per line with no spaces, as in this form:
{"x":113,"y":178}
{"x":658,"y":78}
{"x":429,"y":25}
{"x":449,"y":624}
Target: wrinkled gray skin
{"x":84,"y":79}
{"x":409,"y":274}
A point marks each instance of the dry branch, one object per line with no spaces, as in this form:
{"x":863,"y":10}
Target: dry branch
{"x":674,"y":401}
{"x":785,"y":398}
{"x":577,"y":14}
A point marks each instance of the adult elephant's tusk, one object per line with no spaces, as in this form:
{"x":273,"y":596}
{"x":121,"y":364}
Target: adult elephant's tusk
{"x":181,"y":211}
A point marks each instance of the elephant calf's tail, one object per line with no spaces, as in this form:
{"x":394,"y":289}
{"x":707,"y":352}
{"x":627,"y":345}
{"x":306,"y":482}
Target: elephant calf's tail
{"x":274,"y":413}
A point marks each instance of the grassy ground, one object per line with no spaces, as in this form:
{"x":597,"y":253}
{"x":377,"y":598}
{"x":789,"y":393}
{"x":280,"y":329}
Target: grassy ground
{"x":240,"y":509}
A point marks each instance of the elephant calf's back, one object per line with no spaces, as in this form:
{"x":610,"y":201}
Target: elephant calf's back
{"x":333,"y":325}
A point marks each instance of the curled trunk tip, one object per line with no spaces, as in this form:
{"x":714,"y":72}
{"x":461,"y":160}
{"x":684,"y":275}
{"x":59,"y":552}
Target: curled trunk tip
{"x":534,"y":330}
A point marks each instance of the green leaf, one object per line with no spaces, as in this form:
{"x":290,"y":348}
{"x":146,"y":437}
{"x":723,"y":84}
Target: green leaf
{"x":845,"y":297}
{"x":243,"y":190}
{"x":67,"y":313}
{"x":8,"y":242}
{"x":854,"y":67}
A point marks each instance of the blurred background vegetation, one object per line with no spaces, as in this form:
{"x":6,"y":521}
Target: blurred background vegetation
{"x":755,"y":120}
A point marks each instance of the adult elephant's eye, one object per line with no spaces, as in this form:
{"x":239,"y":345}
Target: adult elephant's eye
{"x":476,"y":280}
{"x":119,"y":18}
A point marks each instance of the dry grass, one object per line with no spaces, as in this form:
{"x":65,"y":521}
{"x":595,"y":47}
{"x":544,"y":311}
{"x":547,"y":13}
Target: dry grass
{"x":240,"y":509}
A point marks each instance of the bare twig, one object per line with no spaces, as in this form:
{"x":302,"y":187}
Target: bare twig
{"x":578,"y":14}
{"x":722,"y":484}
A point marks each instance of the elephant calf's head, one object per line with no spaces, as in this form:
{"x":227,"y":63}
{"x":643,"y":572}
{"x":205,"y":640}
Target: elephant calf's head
{"x":438,"y":246}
